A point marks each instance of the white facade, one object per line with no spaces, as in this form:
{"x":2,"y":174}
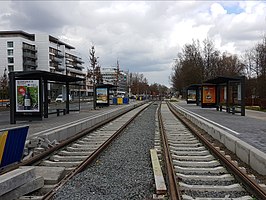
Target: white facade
{"x":38,"y":52}
{"x":9,"y":53}
{"x":110,"y":76}
{"x":21,"y":51}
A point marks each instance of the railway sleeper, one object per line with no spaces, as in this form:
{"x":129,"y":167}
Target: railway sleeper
{"x":186,"y":145}
{"x":193,"y":158}
{"x":178,"y":148}
{"x":190,"y":170}
{"x":187,"y":197}
{"x":86,"y":140}
{"x":191,"y":153}
{"x":59,"y":164}
{"x":71,"y":149}
{"x":73,"y":153}
{"x":91,"y":143}
{"x":212,"y":163}
{"x":183,"y":142}
{"x":71,"y":158}
{"x":223,"y":177}
{"x":212,"y":188}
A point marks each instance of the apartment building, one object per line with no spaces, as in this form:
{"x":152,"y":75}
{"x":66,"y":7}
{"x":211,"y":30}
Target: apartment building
{"x":22,"y":51}
{"x":111,"y":76}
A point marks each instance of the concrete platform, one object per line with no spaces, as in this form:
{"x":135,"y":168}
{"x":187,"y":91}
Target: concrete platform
{"x":243,"y":135}
{"x":28,"y":187}
{"x":55,"y":127}
{"x":51,"y":175}
{"x":15,"y":178}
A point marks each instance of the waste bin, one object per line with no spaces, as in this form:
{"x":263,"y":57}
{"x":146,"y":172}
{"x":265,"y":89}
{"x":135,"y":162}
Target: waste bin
{"x":125,"y":100}
{"x":115,"y":100}
{"x":119,"y":100}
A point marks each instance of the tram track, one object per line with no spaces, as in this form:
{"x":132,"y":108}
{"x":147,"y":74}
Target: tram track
{"x":86,"y":149}
{"x":199,"y":169}
{"x":77,"y":153}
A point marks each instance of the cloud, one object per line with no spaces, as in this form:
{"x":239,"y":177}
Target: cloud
{"x":145,"y":36}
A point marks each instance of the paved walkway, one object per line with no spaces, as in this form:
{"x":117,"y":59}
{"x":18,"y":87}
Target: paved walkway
{"x":250,"y":128}
{"x":53,"y":120}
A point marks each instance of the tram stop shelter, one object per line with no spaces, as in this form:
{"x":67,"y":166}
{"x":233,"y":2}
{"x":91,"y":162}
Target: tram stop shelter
{"x":226,"y":93}
{"x":28,"y":91}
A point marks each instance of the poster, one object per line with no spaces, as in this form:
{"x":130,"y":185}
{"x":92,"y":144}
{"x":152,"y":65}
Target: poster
{"x":27,"y":96}
{"x":208,"y":94}
{"x":191,"y":95}
{"x":101,"y":95}
{"x":223,"y":94}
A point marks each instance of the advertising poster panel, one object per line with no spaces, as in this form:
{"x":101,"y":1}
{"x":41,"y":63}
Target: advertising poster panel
{"x":191,"y":95}
{"x":223,"y":94}
{"x":27,"y":96}
{"x":101,"y":95}
{"x":208,"y":94}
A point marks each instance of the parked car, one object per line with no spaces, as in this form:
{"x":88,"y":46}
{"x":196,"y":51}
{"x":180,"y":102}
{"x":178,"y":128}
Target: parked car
{"x":60,"y":98}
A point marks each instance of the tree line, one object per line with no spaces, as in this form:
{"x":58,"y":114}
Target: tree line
{"x":139,"y":85}
{"x":201,"y":61}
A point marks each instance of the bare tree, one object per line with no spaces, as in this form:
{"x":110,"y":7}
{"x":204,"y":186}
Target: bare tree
{"x":4,"y":85}
{"x":92,"y":73}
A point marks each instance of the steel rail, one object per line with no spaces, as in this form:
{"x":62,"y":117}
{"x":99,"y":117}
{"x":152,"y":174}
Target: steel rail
{"x":173,"y":186}
{"x":90,"y":159}
{"x":46,"y":153}
{"x":249,"y":183}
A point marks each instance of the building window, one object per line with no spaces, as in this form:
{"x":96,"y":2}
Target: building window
{"x":10,"y":68}
{"x":10,"y":52}
{"x":10,"y":60}
{"x":10,"y":44}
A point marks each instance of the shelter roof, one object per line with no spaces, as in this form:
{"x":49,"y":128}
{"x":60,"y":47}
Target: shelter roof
{"x":46,"y":76}
{"x":222,"y":79}
{"x":192,"y":86}
{"x":106,"y":85}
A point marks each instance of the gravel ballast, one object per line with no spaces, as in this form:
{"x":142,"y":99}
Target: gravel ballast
{"x":123,"y":171}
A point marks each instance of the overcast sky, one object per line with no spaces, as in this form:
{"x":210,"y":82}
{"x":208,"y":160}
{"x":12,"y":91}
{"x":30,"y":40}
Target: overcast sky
{"x":145,"y":36}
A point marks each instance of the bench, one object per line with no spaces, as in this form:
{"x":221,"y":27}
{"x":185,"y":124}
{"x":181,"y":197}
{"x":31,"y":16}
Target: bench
{"x":231,"y":109}
{"x":58,"y":111}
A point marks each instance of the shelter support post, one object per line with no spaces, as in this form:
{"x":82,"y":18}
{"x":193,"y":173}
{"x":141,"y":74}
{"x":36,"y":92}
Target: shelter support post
{"x":227,"y":97}
{"x":242,"y":82}
{"x":12,"y":94}
{"x":67,"y":97}
{"x":45,"y":91}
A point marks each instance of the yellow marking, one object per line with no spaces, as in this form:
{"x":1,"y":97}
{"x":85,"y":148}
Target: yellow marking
{"x":2,"y":144}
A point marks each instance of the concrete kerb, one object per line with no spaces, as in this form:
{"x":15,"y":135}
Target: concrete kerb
{"x":247,"y":153}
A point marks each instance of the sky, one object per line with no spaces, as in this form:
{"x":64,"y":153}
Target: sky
{"x":144,"y":36}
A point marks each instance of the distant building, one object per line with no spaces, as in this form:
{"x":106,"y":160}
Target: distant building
{"x":110,"y":76}
{"x":21,"y":51}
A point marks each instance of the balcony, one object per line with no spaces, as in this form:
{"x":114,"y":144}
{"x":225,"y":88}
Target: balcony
{"x":59,"y":54}
{"x":78,"y":60}
{"x":27,"y":47}
{"x":75,"y":71}
{"x":58,"y":60}
{"x":30,"y":63}
{"x":78,"y":66}
{"x":60,"y":68}
{"x":29,"y":55}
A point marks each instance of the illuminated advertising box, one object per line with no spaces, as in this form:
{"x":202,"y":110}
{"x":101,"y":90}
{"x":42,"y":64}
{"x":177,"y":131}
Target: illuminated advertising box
{"x":101,"y":96}
{"x":27,"y":96}
{"x":208,"y":95}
